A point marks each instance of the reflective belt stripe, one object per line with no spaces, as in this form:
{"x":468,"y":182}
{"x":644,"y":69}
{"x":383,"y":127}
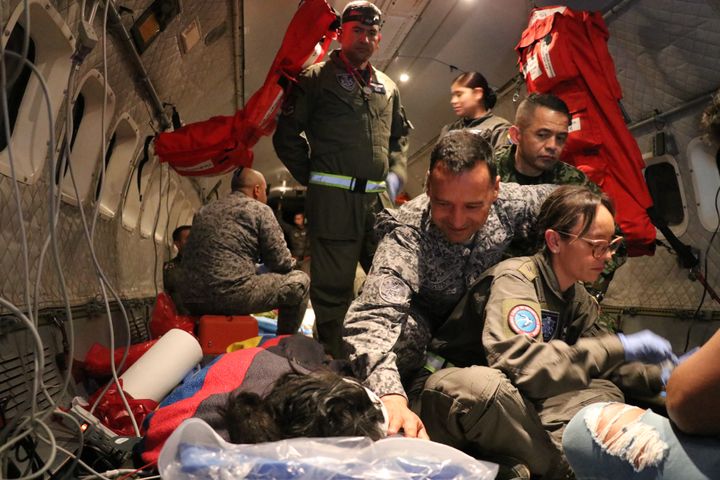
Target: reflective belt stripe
{"x":344,"y":182}
{"x":434,"y":362}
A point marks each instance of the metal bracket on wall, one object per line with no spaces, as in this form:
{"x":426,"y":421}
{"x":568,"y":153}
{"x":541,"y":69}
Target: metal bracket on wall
{"x":126,"y":39}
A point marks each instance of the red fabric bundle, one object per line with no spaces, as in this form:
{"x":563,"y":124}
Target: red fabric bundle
{"x":223,"y":143}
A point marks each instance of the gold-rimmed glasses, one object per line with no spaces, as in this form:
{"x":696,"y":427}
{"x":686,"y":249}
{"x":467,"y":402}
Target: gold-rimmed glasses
{"x":599,"y":247}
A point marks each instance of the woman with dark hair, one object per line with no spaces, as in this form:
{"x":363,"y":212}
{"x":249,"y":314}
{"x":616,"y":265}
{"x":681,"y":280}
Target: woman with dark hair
{"x":472,"y":100}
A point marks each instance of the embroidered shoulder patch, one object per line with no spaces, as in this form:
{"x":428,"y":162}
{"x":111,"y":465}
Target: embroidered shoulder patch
{"x":393,"y":290}
{"x":346,"y":81}
{"x":524,"y":320}
{"x":549,"y":324}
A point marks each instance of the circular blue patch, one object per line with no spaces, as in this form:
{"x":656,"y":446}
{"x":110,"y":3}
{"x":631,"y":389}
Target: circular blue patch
{"x":523,"y":319}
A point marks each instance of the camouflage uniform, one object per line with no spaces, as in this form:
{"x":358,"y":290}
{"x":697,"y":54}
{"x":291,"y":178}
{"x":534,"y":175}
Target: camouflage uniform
{"x":417,"y":278}
{"x":228,"y":237}
{"x":561,"y":174}
{"x":328,"y":126}
{"x":546,"y":351}
{"x":171,"y":282}
{"x":494,"y":128}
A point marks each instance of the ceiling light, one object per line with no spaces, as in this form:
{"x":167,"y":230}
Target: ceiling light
{"x":404,"y":77}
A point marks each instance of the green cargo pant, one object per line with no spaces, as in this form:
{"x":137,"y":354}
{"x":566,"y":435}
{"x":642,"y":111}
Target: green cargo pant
{"x":478,"y":410}
{"x":332,"y":269}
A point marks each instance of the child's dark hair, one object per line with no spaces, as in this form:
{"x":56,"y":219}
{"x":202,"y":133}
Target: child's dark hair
{"x":319,"y":404}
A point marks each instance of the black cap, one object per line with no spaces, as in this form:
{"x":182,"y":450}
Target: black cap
{"x":363,"y":12}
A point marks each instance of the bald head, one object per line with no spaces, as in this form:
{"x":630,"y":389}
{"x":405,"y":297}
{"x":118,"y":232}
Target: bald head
{"x":250,"y":182}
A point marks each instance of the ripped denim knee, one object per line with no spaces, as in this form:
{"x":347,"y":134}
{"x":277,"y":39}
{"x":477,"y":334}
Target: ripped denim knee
{"x":619,"y":430}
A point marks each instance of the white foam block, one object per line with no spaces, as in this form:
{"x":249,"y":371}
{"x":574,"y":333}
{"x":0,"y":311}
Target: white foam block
{"x":162,"y":367}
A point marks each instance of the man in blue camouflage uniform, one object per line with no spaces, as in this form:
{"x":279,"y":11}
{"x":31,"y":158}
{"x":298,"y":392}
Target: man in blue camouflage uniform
{"x":433,"y":248}
{"x":542,"y":123}
{"x":228,"y":238}
{"x":343,"y":133}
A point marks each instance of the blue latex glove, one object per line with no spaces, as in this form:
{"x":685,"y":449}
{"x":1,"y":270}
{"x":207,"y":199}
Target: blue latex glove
{"x":675,"y":361}
{"x":393,"y":185}
{"x":645,"y":346}
{"x":665,"y":375}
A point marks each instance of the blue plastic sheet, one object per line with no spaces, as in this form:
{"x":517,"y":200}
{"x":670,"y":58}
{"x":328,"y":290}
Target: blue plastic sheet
{"x":195,"y":451}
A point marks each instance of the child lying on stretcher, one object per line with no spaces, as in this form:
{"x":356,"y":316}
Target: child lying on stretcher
{"x":285,"y":388}
{"x":319,"y":404}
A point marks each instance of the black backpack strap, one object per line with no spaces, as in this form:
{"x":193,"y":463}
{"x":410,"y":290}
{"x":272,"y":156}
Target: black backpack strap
{"x":687,"y":257}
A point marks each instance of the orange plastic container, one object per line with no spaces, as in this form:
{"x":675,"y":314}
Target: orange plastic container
{"x":216,"y":332}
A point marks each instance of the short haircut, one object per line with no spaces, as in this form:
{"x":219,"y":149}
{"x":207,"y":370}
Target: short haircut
{"x":461,"y":150}
{"x":710,"y":120}
{"x":527,"y":107}
{"x":237,"y":182}
{"x":246,"y":177}
{"x":319,"y":404}
{"x":477,"y":80}
{"x":178,"y":231}
{"x":569,"y":206}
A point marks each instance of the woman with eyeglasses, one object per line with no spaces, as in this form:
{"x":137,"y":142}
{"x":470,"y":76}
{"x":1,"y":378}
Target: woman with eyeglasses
{"x":541,"y":325}
{"x":549,"y":355}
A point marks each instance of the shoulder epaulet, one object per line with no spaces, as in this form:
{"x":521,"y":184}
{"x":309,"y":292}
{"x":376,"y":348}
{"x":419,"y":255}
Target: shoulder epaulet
{"x":524,"y":265}
{"x":528,"y":269}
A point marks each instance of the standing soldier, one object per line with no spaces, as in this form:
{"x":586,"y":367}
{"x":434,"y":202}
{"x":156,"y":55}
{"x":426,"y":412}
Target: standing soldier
{"x":343,"y":133}
{"x":472,"y":99}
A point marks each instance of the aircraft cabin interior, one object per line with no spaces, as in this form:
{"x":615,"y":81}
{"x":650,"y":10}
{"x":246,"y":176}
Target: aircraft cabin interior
{"x":127,"y":121}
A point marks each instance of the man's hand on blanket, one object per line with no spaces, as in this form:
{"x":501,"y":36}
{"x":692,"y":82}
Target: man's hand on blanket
{"x":402,"y":418}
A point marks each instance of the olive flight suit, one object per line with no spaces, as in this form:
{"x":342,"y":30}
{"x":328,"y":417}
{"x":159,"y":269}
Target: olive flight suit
{"x":493,"y":127}
{"x":341,"y":139}
{"x":517,"y":359}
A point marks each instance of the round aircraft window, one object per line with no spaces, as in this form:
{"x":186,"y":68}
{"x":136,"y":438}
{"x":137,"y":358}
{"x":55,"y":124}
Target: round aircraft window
{"x":118,"y":159}
{"x":704,"y":160}
{"x":665,"y":192}
{"x":93,"y":107}
{"x":48,"y":43}
{"x":18,"y":74}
